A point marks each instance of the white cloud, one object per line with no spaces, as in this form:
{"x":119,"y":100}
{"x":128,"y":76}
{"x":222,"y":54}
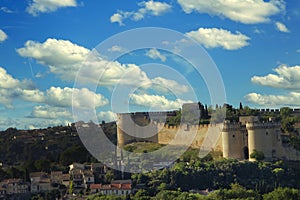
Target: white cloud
{"x":155,"y":7}
{"x":65,"y":59}
{"x":82,"y":98}
{"x":247,"y":12}
{"x":286,"y":78}
{"x":281,"y":27}
{"x":50,"y":112}
{"x":3,"y":36}
{"x":32,"y":95}
{"x":46,"y":6}
{"x":213,"y":37}
{"x":6,"y":10}
{"x":292,"y":99}
{"x":156,"y":101}
{"x":111,"y":73}
{"x":107,"y":116}
{"x":62,"y":56}
{"x":6,"y":80}
{"x":155,"y":54}
{"x":151,"y":7}
{"x":116,"y":48}
{"x":258,"y":31}
{"x":118,"y":18}
{"x":11,"y":89}
{"x":298,"y":50}
{"x":167,"y":85}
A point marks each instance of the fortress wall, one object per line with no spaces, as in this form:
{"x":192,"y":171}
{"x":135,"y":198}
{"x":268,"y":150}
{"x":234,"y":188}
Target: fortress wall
{"x":168,"y":134}
{"x":285,"y":152}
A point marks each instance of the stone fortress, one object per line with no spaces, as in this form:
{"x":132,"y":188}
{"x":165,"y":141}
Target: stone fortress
{"x":237,"y":140}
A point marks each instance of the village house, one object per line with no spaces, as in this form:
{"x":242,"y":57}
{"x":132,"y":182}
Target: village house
{"x":14,"y":186}
{"x":40,"y":182}
{"x":66,"y":180}
{"x":99,"y":170}
{"x":77,"y":179}
{"x":56,"y":177}
{"x":88,"y":178}
{"x":118,"y":187}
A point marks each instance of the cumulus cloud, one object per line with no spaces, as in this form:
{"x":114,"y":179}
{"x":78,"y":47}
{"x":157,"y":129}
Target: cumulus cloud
{"x":107,"y":116}
{"x":49,"y":112}
{"x":81,"y":98}
{"x":167,"y":85}
{"x":281,"y":27}
{"x":155,"y":54}
{"x":285,"y":78}
{"x":291,"y":99}
{"x":213,"y":37}
{"x":11,"y":88}
{"x":156,"y":101}
{"x":119,"y":17}
{"x":6,"y":80}
{"x":45,"y":6}
{"x":3,"y":36}
{"x":65,"y":59}
{"x":247,"y":12}
{"x":62,"y":56}
{"x":151,"y":7}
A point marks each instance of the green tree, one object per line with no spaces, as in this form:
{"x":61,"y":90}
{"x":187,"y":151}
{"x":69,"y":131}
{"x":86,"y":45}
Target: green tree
{"x":109,"y":176}
{"x":71,"y":187}
{"x":42,"y":165}
{"x":257,"y":155}
{"x":283,"y":193}
{"x":287,"y":121}
{"x":278,"y":173}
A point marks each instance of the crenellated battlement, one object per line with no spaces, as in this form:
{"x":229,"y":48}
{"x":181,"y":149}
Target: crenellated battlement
{"x":235,"y":126}
{"x":259,"y":125}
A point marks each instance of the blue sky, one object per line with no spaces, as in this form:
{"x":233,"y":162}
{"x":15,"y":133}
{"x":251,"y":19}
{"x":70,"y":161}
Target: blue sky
{"x":44,"y":43}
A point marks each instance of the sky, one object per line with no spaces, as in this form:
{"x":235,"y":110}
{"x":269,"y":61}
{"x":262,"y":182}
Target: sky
{"x":65,"y":60}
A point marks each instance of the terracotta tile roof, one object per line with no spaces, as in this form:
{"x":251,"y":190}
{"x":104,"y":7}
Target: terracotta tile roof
{"x":95,"y":186}
{"x":116,"y":186}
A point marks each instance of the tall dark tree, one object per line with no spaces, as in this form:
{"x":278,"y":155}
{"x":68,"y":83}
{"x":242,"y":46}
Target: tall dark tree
{"x":241,"y":106}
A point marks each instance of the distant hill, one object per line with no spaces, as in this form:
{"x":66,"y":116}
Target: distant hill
{"x":52,"y":143}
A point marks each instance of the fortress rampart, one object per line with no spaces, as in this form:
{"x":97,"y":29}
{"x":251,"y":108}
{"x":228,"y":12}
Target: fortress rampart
{"x":236,"y":140}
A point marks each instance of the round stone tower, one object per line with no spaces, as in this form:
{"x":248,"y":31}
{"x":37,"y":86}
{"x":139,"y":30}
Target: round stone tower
{"x":261,"y":137}
{"x":135,"y":127}
{"x":124,"y":126}
{"x":234,"y":141}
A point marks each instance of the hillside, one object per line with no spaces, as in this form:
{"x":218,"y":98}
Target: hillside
{"x":55,"y":144}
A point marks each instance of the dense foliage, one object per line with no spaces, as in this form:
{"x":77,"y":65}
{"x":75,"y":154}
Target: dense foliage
{"x":221,"y":174}
{"x":235,"y":192}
